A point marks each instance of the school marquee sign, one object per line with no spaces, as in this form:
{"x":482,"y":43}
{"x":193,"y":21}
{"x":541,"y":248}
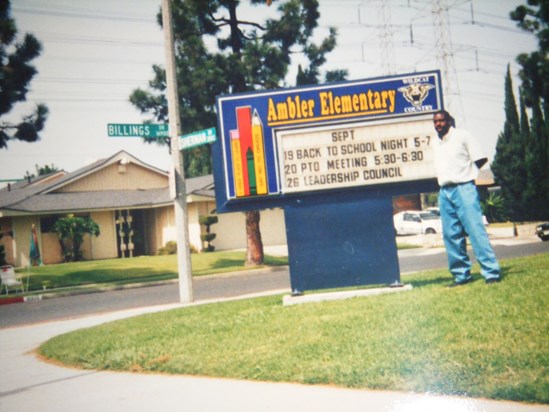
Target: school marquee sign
{"x":279,"y":143}
{"x":332,"y":156}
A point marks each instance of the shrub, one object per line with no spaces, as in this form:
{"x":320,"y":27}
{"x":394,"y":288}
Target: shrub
{"x":71,"y":231}
{"x":207,"y":237}
{"x":493,"y":208}
{"x":170,"y":248}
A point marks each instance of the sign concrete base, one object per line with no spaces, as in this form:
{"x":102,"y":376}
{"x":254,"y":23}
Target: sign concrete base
{"x":288,"y":300}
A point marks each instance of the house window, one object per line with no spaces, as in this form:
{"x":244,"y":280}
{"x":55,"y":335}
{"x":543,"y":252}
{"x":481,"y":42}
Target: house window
{"x":47,"y":222}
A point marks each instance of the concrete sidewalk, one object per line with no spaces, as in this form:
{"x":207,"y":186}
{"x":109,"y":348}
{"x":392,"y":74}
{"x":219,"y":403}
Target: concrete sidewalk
{"x":28,"y":384}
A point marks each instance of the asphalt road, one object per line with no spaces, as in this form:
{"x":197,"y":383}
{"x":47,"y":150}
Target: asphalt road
{"x":212,"y":287}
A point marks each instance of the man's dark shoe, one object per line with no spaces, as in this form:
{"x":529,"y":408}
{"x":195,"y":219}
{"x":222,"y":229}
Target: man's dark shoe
{"x":453,"y":285}
{"x":493,"y":280}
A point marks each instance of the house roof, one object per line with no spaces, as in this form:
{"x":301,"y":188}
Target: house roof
{"x":42,"y":195}
{"x":85,"y":201}
{"x":121,"y":156}
{"x":203,"y":186}
{"x":22,"y":189}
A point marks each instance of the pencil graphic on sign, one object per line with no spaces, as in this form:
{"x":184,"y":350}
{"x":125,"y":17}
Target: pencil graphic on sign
{"x":259,"y":154}
{"x":244,"y":124}
{"x":251,"y":171}
{"x":237,"y":163}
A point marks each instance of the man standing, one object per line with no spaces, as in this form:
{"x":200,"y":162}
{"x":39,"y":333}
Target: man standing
{"x":458,"y":158}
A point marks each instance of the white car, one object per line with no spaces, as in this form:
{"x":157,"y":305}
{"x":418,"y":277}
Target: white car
{"x":436,"y":211}
{"x":414,"y":222}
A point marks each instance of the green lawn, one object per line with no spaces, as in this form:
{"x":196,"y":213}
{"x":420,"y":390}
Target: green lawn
{"x":478,"y":340}
{"x":114,"y":272}
{"x":139,"y":269}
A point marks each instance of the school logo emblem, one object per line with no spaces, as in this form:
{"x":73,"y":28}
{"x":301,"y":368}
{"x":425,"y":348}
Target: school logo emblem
{"x":416,"y":93}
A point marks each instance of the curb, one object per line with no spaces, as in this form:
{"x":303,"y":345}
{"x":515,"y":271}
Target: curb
{"x":21,"y":299}
{"x":95,"y":288}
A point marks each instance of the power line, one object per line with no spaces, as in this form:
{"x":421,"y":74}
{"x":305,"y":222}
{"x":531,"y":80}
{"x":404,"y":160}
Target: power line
{"x":81,"y":15}
{"x":60,"y":38}
{"x":72,"y":59}
{"x":81,"y":100}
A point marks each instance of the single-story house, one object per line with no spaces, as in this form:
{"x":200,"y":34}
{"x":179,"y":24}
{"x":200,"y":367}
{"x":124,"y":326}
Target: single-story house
{"x":129,"y":200}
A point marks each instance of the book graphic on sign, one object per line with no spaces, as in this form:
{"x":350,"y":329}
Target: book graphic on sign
{"x":248,"y":154}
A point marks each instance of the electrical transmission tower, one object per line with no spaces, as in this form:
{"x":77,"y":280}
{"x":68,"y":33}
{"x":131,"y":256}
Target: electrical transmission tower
{"x":386,"y":38}
{"x":445,"y":59}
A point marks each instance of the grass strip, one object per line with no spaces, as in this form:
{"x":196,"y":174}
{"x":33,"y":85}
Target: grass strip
{"x":117,"y":272}
{"x":139,"y":269}
{"x":478,"y":340}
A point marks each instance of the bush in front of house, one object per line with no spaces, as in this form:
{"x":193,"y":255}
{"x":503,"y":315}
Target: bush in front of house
{"x":207,"y":237}
{"x":170,"y":248}
{"x":71,"y":231}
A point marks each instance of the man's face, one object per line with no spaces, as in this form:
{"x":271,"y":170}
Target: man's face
{"x":441,"y":124}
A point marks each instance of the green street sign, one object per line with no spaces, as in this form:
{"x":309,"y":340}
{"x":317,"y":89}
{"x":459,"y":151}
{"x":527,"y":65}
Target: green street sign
{"x":138,"y":130}
{"x":197,"y":138}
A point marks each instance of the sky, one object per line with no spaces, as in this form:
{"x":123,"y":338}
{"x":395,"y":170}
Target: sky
{"x":96,"y":53}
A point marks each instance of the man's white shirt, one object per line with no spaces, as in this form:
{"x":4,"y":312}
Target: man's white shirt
{"x":455,"y":156}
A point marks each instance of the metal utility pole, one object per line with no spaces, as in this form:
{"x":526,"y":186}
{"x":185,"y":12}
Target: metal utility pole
{"x":445,"y":59}
{"x":178,"y":178}
{"x":386,"y":38}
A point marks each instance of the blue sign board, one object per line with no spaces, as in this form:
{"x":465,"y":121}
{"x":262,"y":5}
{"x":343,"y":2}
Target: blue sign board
{"x":269,"y":139}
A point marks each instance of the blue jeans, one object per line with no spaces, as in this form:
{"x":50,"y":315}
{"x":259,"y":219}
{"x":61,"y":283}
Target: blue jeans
{"x":461,"y":217}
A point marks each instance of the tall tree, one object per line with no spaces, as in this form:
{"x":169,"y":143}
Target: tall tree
{"x":42,"y":171}
{"x":16,"y":73}
{"x":534,"y":74}
{"x":536,"y":191}
{"x":509,"y":162}
{"x":524,"y":121}
{"x":241,"y":55}
{"x":534,"y":18}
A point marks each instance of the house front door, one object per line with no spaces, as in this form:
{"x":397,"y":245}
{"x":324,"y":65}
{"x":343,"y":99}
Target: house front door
{"x":130,"y":233}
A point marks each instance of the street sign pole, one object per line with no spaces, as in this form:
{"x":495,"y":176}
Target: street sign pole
{"x":180,"y":201}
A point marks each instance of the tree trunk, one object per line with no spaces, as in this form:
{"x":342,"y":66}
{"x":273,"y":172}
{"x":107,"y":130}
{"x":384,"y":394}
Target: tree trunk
{"x":254,"y":254}
{"x":76,"y":254}
{"x":63,"y":249}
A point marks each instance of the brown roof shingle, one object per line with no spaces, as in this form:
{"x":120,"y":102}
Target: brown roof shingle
{"x":35,"y":198}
